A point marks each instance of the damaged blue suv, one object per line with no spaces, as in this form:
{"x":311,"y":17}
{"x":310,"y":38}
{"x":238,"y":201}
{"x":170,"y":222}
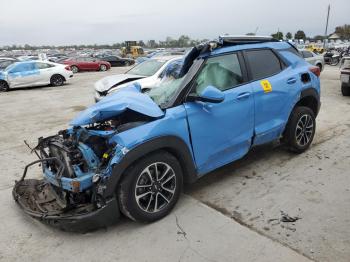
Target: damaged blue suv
{"x":132,"y":152}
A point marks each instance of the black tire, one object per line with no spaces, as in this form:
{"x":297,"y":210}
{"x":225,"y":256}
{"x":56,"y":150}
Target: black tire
{"x":4,"y":87}
{"x":320,"y":67}
{"x":138,"y":190}
{"x":103,"y":68}
{"x":57,"y":80}
{"x":345,"y":90}
{"x":300,"y":130}
{"x":74,"y":69}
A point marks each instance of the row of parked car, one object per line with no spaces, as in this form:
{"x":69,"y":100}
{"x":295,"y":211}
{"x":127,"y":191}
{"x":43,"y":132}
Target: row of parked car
{"x":148,"y":71}
{"x":30,"y":71}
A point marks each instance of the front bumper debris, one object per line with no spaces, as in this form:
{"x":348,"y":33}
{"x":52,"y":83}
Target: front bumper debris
{"x":38,"y":199}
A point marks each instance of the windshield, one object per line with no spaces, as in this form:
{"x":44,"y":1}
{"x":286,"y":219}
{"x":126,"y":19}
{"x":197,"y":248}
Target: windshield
{"x":147,"y":68}
{"x":5,"y":63}
{"x":9,"y":67}
{"x":164,"y":91}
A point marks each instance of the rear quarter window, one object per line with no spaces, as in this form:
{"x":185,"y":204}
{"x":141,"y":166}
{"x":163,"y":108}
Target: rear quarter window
{"x":263,"y":63}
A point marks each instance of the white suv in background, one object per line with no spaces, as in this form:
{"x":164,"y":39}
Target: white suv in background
{"x":147,"y":74}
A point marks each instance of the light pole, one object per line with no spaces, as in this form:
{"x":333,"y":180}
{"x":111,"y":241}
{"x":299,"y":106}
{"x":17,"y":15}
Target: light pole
{"x":325,"y":33}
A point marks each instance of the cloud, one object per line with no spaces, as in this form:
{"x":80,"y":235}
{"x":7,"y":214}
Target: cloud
{"x":109,"y":21}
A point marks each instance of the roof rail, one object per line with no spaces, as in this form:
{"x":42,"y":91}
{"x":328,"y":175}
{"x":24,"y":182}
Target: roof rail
{"x":244,"y":39}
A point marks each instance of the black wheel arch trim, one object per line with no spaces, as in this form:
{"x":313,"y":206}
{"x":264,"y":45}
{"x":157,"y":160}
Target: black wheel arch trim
{"x":311,"y":92}
{"x":173,"y":144}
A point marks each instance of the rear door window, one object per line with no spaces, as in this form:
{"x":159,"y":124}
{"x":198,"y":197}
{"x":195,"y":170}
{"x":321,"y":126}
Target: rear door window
{"x":263,"y":63}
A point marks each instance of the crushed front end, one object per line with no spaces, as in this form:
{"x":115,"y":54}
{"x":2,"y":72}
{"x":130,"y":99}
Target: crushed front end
{"x":76,"y":165}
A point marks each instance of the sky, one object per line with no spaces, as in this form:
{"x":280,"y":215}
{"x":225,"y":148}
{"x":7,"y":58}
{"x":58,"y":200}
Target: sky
{"x":59,"y":22}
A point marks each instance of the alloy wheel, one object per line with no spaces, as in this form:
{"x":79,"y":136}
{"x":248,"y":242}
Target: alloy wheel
{"x":3,"y":87}
{"x":304,"y":130}
{"x":57,"y":81}
{"x":155,"y":187}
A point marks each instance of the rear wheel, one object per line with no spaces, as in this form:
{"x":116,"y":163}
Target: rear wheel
{"x":345,"y":90}
{"x":151,"y":187}
{"x":4,"y":87}
{"x":103,"y":68}
{"x":74,"y":69}
{"x":300,"y":129}
{"x":57,"y":80}
{"x":320,"y":67}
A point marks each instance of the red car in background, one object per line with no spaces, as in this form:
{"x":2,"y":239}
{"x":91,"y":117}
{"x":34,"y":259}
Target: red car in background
{"x":86,"y":64}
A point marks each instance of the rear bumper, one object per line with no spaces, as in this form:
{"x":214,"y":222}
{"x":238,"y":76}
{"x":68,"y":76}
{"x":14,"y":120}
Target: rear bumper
{"x":31,"y":195}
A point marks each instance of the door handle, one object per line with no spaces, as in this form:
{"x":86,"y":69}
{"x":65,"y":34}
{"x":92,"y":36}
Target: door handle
{"x":243,"y":95}
{"x":291,"y":81}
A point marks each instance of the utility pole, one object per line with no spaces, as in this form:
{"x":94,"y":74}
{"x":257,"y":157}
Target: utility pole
{"x":325,"y":33}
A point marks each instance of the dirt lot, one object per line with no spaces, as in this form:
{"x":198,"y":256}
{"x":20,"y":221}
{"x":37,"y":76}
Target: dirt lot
{"x":231,"y":214}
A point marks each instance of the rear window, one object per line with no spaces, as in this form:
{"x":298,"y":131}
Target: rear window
{"x":43,"y":65}
{"x":307,"y":54}
{"x":147,"y":68}
{"x":263,"y":63}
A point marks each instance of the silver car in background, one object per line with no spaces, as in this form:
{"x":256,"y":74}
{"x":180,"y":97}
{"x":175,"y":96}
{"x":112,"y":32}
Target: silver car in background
{"x":312,"y":58}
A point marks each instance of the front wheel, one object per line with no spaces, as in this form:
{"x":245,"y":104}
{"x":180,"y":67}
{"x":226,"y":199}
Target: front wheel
{"x":300,"y":129}
{"x":74,"y":69}
{"x":151,"y":187}
{"x":4,"y":87}
{"x":103,"y":68}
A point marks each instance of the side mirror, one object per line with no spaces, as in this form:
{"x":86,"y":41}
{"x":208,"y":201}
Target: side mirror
{"x":210,"y":94}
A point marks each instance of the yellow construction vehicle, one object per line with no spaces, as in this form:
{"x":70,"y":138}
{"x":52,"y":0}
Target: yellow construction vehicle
{"x":132,"y":50}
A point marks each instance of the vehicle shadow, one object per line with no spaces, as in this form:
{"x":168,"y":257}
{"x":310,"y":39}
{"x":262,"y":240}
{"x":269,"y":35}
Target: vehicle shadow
{"x":44,"y":88}
{"x":258,"y":155}
{"x":269,"y":153}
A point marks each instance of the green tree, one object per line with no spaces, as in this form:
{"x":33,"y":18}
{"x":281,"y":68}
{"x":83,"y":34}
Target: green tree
{"x":183,"y":41}
{"x":278,"y":35}
{"x":289,"y":35}
{"x":343,"y":31}
{"x":318,"y":37}
{"x":300,"y":35}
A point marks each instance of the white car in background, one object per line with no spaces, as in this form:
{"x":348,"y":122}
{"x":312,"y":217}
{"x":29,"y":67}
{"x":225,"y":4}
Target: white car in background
{"x":312,"y":58}
{"x":34,"y":73}
{"x":147,"y":74}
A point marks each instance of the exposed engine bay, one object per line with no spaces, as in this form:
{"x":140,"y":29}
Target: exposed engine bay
{"x":76,"y":165}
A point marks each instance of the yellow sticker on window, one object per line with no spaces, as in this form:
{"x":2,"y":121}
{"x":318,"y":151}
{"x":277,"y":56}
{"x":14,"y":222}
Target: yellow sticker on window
{"x":266,"y":86}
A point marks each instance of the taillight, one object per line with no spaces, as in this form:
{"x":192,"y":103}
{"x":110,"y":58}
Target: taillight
{"x":68,"y":68}
{"x":316,"y":70}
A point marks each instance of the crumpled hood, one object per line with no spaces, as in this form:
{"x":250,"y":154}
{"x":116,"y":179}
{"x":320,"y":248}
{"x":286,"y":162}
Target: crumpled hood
{"x":108,"y":82}
{"x":115,"y":104}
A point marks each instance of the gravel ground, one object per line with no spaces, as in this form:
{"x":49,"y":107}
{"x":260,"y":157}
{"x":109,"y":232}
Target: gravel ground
{"x":254,"y":192}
